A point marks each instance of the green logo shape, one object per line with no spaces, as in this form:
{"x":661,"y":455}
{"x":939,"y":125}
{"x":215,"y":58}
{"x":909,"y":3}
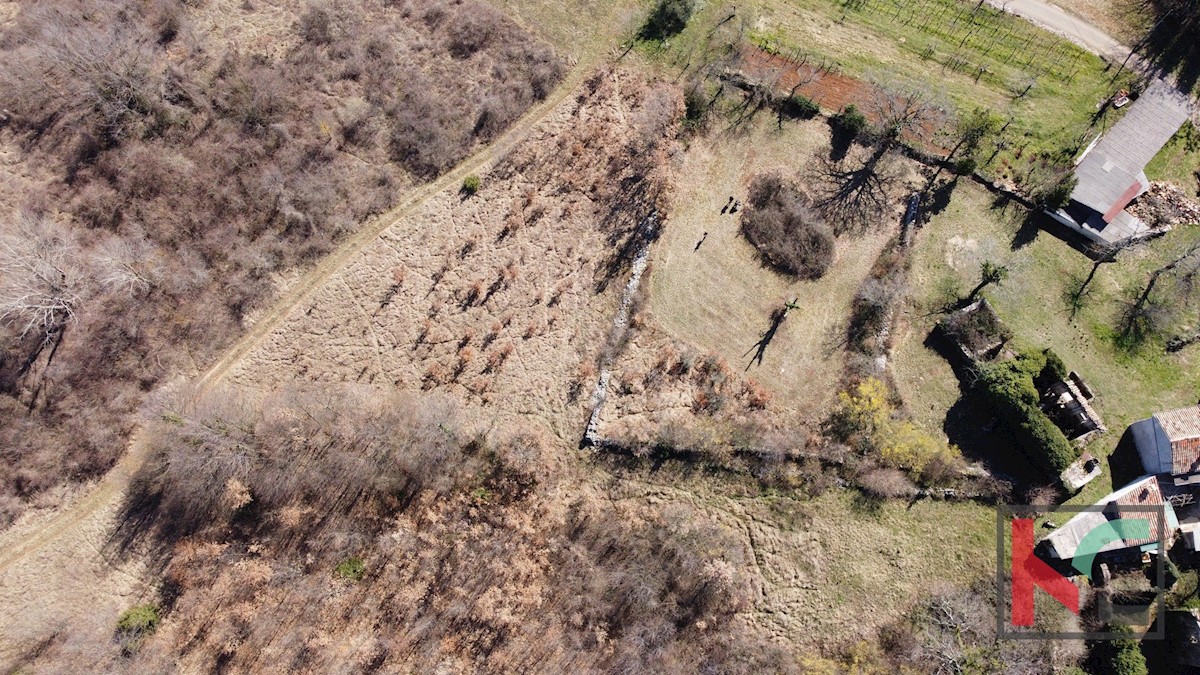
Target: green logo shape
{"x":1102,"y":535}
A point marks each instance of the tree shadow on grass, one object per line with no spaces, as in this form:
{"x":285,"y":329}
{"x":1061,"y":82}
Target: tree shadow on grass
{"x":633,"y":224}
{"x":760,"y":347}
{"x":866,"y":504}
{"x":936,"y":197}
{"x":975,"y":429}
{"x":1175,"y":49}
{"x":839,"y":143}
{"x":1028,"y":231}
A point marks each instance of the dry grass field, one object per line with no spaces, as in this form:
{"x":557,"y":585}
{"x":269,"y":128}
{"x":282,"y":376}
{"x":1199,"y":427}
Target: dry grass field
{"x":501,"y":300}
{"x":492,"y":297}
{"x":719,"y":297}
{"x":832,"y":570}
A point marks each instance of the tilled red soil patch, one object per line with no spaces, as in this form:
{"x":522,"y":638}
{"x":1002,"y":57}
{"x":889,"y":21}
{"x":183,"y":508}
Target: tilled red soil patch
{"x":831,"y":90}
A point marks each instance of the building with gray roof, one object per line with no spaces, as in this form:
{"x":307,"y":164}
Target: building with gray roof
{"x":1112,"y":170}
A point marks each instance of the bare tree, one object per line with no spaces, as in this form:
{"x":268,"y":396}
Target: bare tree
{"x":129,"y":265}
{"x":1101,"y":254}
{"x":902,"y":108}
{"x":103,"y":79}
{"x":989,"y":273}
{"x":1148,"y":314}
{"x":43,"y":277}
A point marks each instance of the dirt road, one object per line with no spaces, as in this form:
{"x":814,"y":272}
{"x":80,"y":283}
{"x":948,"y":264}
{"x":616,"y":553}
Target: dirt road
{"x":1075,"y":29}
{"x":52,"y":564}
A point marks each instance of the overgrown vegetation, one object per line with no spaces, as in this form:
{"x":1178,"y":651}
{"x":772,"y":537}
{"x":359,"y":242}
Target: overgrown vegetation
{"x":526,"y":578}
{"x":350,"y":569}
{"x":1008,"y":388}
{"x":866,"y":419}
{"x":977,"y":331}
{"x":667,"y":18}
{"x":470,"y":185}
{"x":788,"y":235}
{"x":181,"y":174}
{"x":135,"y":625}
{"x":849,"y":121}
{"x":954,"y":630}
{"x":801,"y":106}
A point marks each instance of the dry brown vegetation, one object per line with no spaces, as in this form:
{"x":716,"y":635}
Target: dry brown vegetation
{"x":473,"y":559}
{"x":177,"y":174}
{"x":788,"y":235}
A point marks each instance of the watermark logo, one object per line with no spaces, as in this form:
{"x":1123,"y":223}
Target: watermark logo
{"x":1064,"y":565}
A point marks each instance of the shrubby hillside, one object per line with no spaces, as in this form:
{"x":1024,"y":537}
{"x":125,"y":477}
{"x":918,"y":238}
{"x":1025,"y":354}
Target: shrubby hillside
{"x":167,"y":174}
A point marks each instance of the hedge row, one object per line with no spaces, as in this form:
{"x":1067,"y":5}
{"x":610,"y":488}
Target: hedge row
{"x":1008,"y":388}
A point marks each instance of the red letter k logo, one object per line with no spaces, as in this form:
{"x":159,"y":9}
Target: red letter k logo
{"x":1028,"y":571}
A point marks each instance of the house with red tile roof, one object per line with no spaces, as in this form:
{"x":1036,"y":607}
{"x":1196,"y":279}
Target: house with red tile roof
{"x":1169,"y":443}
{"x":1144,"y":493}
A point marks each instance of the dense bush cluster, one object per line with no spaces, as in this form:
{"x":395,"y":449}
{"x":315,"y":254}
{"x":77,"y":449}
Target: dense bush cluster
{"x":849,"y":121}
{"x":1008,"y":389}
{"x":799,"y":105}
{"x":954,"y":630}
{"x":873,"y":307}
{"x":866,"y":419}
{"x":463,"y":551}
{"x":977,"y":330}
{"x":667,"y":18}
{"x":788,"y":235}
{"x":183,"y":173}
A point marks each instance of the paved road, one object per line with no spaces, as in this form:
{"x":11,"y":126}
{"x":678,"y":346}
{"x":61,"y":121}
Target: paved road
{"x":1068,"y":25}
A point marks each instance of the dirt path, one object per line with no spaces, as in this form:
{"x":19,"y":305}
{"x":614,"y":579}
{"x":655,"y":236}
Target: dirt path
{"x":44,"y":557}
{"x":1074,"y":28}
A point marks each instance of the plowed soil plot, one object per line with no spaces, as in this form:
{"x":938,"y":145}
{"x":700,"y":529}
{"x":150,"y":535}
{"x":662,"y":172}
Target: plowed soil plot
{"x":833,"y":91}
{"x":501,"y":297}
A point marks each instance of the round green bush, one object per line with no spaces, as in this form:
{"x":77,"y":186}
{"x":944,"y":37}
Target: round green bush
{"x":799,"y":105}
{"x":850,"y":121}
{"x":351,"y":569}
{"x":470,"y":184}
{"x":135,"y":625}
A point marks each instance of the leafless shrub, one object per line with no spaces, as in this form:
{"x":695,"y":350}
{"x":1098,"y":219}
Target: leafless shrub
{"x":903,"y":108}
{"x":294,"y":448}
{"x":957,"y":625}
{"x":886,"y":483}
{"x":786,"y":233}
{"x":44,"y":277}
{"x":526,"y":579}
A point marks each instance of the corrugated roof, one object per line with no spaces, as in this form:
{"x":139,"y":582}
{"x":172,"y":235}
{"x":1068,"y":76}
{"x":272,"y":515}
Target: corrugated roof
{"x":1180,"y":424}
{"x":1109,"y":172}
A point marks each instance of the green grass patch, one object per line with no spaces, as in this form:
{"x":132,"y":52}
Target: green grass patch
{"x":1179,"y":160}
{"x":1048,"y":90}
{"x":1129,"y":385}
{"x":350,"y":569}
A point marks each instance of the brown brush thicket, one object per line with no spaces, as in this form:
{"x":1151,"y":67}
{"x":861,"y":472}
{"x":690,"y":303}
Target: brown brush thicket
{"x":183,"y":172}
{"x":473,"y":558}
{"x":956,"y":625}
{"x":788,"y":235}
